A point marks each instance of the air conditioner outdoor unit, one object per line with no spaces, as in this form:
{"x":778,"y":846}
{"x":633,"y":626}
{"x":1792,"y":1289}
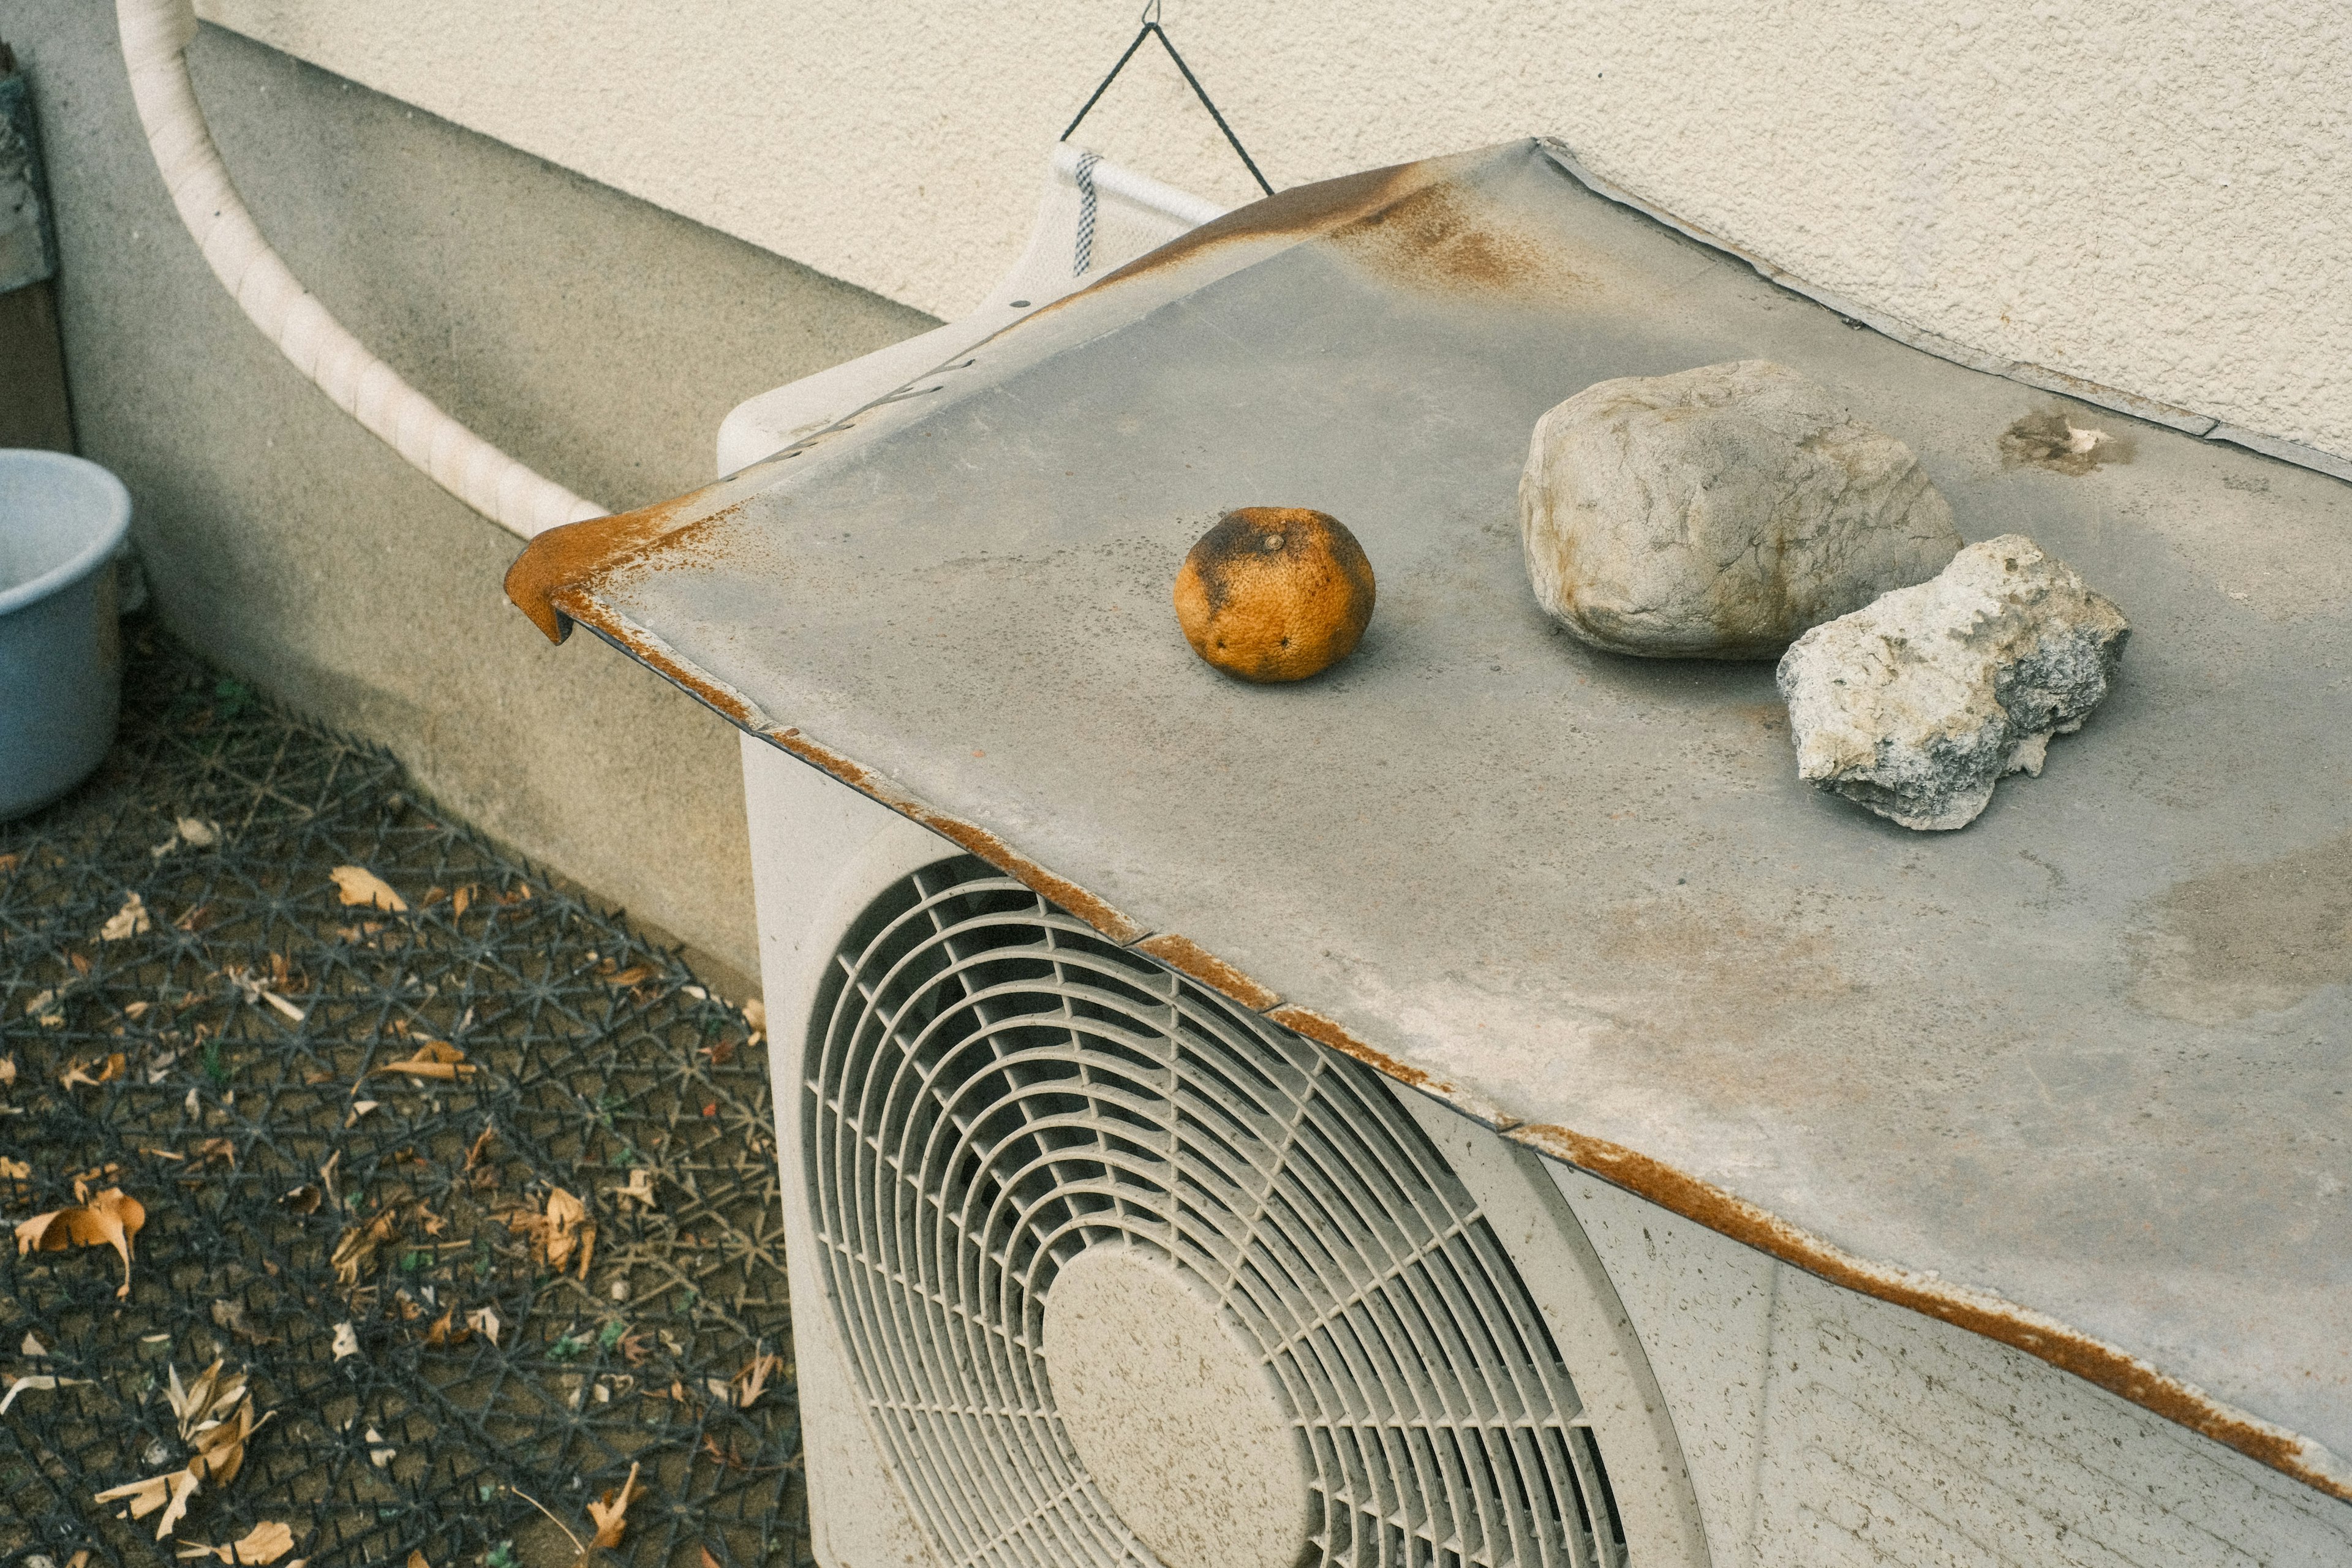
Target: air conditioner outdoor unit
{"x":1104,"y":1253}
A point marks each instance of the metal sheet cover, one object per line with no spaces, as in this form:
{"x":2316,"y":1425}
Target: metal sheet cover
{"x":2089,"y":1055}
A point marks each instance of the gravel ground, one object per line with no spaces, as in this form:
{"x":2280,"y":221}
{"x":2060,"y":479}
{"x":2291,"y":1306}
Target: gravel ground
{"x":200,"y":1018}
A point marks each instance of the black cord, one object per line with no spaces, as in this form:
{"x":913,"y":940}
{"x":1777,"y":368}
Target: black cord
{"x":1151,"y":29}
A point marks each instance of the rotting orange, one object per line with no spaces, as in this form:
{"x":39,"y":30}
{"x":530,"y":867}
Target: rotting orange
{"x":1275,"y":592}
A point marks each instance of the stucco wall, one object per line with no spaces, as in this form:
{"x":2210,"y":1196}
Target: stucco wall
{"x":2128,"y":192}
{"x":293,"y":547}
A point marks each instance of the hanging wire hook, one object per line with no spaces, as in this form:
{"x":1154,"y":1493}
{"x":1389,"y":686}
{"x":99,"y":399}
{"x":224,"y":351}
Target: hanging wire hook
{"x":1151,"y":28}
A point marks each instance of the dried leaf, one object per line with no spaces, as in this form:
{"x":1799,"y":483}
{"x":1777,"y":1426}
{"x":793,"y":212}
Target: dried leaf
{"x":482,"y":1142}
{"x":358,"y":1108}
{"x":357,"y":885}
{"x":15,"y":1170}
{"x":183,"y":1491}
{"x":303,"y":1199}
{"x":433,"y":1059}
{"x":460,"y":901}
{"x":197,"y":833}
{"x":380,"y":1453}
{"x":264,"y":1543}
{"x":640,"y":1187}
{"x":347,"y":1340}
{"x":36,"y":1383}
{"x":635,"y":974}
{"x":109,"y":1219}
{"x":93,"y":1072}
{"x":213,"y":1151}
{"x":755,"y":1012}
{"x":750,"y":1383}
{"x":708,"y":1561}
{"x":355,"y":1249}
{"x":611,"y":1514}
{"x":416,"y":1559}
{"x":564,"y":1229}
{"x":445,"y":1333}
{"x":169,"y":1492}
{"x":32,"y":1346}
{"x":8,"y":1070}
{"x":129,"y":921}
{"x":484,"y":1319}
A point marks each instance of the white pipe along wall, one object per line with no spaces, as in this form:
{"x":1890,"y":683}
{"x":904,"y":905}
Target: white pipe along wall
{"x":155,"y":33}
{"x":2121,"y":194}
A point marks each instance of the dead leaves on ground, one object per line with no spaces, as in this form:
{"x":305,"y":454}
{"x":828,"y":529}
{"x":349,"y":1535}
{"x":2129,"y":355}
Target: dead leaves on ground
{"x":640,"y":1188}
{"x":172,"y":1493}
{"x":446,"y":1333}
{"x":358,"y":887}
{"x":355,"y":1249}
{"x":433,"y":1059}
{"x":132,"y":919}
{"x":112,"y":1219}
{"x":563,"y":1229}
{"x":485,"y":1322}
{"x":94,"y":1071}
{"x":748,"y":1385}
{"x":611,"y":1515}
{"x":216,"y":1417}
{"x":36,"y":1382}
{"x":264,"y":1543}
{"x":634,"y":975}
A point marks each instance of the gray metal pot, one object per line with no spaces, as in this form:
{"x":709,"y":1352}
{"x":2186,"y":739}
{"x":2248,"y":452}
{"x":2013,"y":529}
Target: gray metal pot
{"x":61,"y":521}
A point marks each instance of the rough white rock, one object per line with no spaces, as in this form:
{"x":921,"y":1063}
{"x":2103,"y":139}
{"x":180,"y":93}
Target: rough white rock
{"x":1916,"y":705}
{"x":1717,"y":512}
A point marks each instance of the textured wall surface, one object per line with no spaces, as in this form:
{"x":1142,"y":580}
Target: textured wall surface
{"x":596,"y":337}
{"x":2124,"y":191}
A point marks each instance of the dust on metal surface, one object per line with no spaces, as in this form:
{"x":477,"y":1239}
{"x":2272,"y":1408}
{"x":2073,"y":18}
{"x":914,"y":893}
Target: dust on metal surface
{"x":2022,"y":1076}
{"x":234,"y":1039}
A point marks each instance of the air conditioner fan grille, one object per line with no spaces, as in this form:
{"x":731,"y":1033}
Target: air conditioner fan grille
{"x":994,"y":1088}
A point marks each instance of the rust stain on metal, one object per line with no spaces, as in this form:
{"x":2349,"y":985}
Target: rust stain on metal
{"x":1442,"y":236}
{"x":579,"y":554}
{"x":578,"y":604}
{"x":1189,"y":958}
{"x":1031,"y":875}
{"x":1323,"y":1031}
{"x":2116,"y":1371}
{"x":1317,"y":209}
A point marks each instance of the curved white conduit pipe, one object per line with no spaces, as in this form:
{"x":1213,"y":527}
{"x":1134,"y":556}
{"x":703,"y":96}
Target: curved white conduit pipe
{"x":154,"y":32}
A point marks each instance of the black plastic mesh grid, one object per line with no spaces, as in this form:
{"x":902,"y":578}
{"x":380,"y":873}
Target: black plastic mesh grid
{"x":599,"y":1057}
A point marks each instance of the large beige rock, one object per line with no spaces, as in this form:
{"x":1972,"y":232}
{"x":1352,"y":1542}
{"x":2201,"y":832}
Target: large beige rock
{"x":1718,"y":512}
{"x":1917,"y":705}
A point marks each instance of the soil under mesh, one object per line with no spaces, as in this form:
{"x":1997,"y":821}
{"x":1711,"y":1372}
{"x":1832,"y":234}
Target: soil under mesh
{"x":238,"y":1034}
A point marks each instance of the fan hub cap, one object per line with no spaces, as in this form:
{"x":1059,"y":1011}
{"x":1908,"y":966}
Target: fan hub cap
{"x":1175,"y":1416}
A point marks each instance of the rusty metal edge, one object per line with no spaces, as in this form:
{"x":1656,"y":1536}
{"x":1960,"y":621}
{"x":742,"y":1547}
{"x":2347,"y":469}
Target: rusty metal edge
{"x":1978,"y":1312}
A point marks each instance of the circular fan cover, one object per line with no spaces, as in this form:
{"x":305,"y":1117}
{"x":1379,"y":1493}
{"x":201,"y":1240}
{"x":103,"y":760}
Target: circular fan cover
{"x":995,"y":1090}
